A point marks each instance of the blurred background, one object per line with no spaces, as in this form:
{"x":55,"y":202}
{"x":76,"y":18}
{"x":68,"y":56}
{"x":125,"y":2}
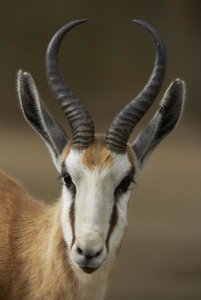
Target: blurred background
{"x":106,"y":62}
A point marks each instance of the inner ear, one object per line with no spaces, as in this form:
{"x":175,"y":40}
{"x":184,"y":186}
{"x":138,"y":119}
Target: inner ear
{"x":163,"y":122}
{"x":38,"y":116}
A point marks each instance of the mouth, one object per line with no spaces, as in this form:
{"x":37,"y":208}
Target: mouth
{"x":88,"y":270}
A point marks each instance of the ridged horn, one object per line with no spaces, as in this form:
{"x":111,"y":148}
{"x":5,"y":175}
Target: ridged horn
{"x":125,"y":121}
{"x":79,"y":119}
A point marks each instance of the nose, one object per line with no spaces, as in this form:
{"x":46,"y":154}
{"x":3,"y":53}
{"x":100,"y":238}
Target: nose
{"x":88,"y":253}
{"x":89,"y":246}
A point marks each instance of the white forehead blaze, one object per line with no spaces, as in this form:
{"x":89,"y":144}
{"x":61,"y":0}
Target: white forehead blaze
{"x":94,"y":200}
{"x":116,"y":169}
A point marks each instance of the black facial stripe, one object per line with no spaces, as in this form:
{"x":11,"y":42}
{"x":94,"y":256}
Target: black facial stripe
{"x":114,"y":215}
{"x":113,"y":222}
{"x":72,"y":221}
{"x":72,"y":207}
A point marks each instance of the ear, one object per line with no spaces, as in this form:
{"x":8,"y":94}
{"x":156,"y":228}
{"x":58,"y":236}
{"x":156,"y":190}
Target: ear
{"x":39,"y":117}
{"x":163,"y":122}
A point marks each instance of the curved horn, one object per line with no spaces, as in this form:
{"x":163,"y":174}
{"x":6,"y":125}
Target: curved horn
{"x":79,"y":119}
{"x":125,"y":121}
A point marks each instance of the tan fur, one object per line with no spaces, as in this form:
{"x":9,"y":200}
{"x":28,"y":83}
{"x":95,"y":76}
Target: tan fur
{"x":33,"y":259}
{"x":66,"y":151}
{"x":97,"y":155}
{"x":131,"y":156}
{"x":34,"y":262}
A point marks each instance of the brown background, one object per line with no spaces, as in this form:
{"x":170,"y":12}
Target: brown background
{"x":106,"y":62}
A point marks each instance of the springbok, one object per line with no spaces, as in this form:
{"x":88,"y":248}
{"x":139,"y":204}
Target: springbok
{"x":67,"y":250}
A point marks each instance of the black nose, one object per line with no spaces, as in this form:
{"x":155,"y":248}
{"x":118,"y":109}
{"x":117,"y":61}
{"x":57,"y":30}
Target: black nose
{"x":88,"y":254}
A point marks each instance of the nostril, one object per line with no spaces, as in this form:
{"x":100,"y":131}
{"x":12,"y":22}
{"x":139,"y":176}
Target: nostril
{"x":98,"y":253}
{"x":79,"y":250}
{"x":88,"y":254}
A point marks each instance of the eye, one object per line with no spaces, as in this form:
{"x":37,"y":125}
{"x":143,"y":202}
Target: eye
{"x":124,"y":185}
{"x":68,"y":181}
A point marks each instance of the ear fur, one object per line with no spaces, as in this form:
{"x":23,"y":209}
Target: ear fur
{"x":163,"y":122}
{"x":39,"y":117}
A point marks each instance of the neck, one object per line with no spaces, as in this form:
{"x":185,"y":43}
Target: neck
{"x":41,"y":246}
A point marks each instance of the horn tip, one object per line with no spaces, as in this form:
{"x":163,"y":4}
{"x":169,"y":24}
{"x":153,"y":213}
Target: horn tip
{"x":79,"y":21}
{"x":138,"y":21}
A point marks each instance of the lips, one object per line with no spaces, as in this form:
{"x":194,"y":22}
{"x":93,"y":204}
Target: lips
{"x":88,"y":270}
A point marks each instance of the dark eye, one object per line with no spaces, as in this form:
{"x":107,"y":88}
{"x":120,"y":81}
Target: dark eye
{"x":68,"y":181}
{"x":124,"y":185}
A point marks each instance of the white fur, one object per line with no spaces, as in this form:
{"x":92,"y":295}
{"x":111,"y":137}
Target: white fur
{"x":94,"y":202}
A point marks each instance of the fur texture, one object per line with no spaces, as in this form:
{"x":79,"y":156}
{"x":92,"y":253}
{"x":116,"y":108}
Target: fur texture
{"x":36,"y":257}
{"x":33,"y":262}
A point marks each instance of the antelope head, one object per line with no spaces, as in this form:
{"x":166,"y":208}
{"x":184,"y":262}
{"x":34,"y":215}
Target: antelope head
{"x":98,"y":169}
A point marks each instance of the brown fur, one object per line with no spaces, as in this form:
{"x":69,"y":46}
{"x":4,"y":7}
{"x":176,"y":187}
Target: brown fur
{"x":33,"y":262}
{"x":97,"y":155}
{"x":131,"y":156}
{"x":66,"y":151}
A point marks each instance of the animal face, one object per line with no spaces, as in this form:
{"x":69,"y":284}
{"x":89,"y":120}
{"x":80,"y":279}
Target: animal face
{"x":96,"y":190}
